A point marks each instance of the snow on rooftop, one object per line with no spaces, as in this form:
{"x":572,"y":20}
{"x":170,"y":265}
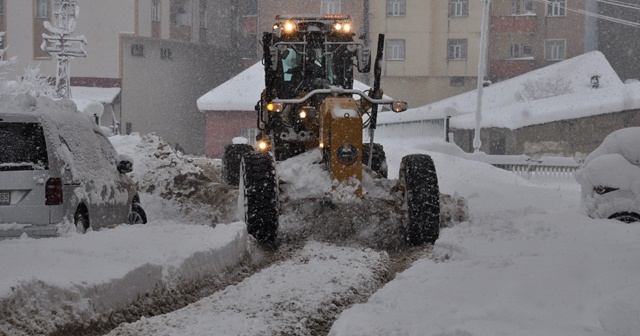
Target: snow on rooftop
{"x":96,"y":94}
{"x":242,"y":92}
{"x":502,"y":108}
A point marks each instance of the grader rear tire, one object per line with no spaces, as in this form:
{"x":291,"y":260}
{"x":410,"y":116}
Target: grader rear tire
{"x":258,"y":196}
{"x":422,"y":198}
{"x":378,"y":161}
{"x":231,"y":162}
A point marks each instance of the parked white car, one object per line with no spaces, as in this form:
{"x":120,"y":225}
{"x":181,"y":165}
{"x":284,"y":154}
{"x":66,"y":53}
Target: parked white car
{"x":610,"y":178}
{"x":55,"y":165}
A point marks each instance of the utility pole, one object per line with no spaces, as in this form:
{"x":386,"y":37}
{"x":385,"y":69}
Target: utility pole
{"x":482,"y":66}
{"x":61,"y":44}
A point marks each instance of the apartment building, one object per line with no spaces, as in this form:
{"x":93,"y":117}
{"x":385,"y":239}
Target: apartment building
{"x":432,"y":47}
{"x":527,"y":34}
{"x":162,"y":54}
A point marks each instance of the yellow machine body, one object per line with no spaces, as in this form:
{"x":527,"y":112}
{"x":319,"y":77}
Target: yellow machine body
{"x":341,"y":138}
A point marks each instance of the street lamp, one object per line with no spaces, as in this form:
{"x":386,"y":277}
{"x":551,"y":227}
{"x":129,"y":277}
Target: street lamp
{"x":482,"y":66}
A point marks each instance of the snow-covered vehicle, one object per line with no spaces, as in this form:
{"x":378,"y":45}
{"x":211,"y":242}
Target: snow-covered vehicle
{"x":56,"y":165}
{"x":309,"y":107}
{"x":610,"y":178}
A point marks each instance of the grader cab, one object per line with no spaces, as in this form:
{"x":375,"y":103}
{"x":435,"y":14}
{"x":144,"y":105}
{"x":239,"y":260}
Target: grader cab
{"x":309,"y":103}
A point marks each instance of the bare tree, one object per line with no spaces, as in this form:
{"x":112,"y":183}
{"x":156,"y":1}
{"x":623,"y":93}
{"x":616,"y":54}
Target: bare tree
{"x":543,"y":89}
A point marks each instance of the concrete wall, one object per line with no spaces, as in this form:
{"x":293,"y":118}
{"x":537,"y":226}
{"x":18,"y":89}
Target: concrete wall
{"x":160,"y":95}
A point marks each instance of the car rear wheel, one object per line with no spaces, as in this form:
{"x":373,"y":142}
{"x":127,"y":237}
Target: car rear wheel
{"x":626,"y":217}
{"x":81,"y":220}
{"x":137,"y":215}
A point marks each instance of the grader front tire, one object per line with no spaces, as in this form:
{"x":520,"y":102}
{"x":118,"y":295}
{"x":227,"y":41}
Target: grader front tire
{"x":258,"y":196}
{"x":422,"y":199}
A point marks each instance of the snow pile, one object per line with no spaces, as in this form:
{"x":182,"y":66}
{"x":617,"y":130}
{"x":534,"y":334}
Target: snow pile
{"x":528,"y":262}
{"x":163,"y":175}
{"x":50,"y":283}
{"x":299,"y":296}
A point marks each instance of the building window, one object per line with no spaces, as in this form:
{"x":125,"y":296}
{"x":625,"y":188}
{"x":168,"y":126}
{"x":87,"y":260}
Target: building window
{"x":457,"y":49}
{"x":42,"y":9}
{"x":156,"y":14}
{"x":522,"y":7}
{"x":250,"y":134}
{"x":457,"y":82}
{"x":181,"y":13}
{"x":458,"y":7}
{"x":555,"y":50}
{"x":165,"y":54}
{"x":527,"y":51}
{"x":330,"y":6}
{"x":203,"y":17}
{"x":556,"y":7}
{"x":515,"y":51}
{"x":395,"y":50}
{"x":1,"y":7}
{"x":396,"y":7}
{"x":137,"y":50}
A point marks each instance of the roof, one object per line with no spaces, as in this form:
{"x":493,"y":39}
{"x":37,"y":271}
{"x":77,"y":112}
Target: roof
{"x":502,"y":108}
{"x":96,"y":94}
{"x":242,"y":92}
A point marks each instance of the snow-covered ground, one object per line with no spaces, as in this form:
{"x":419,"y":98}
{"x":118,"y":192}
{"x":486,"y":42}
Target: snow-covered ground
{"x":528,"y":262}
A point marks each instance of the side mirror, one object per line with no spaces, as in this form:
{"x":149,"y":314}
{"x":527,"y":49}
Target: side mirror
{"x":125,"y":164}
{"x":364,"y":59}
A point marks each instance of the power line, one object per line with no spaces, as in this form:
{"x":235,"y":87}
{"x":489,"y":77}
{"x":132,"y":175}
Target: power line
{"x":620,"y":4}
{"x":598,"y":16}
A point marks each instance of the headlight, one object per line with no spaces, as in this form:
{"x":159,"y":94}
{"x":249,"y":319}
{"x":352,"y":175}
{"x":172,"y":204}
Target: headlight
{"x":346,"y":28}
{"x":302,"y":114}
{"x":338,"y":26}
{"x":600,"y":190}
{"x":289,"y":27}
{"x":399,"y":106}
{"x":263,"y":145}
{"x":275,"y":107}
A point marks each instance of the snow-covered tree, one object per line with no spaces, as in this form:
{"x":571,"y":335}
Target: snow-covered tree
{"x":5,"y":66}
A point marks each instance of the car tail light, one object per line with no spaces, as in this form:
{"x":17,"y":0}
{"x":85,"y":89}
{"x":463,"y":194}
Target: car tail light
{"x":53,"y":191}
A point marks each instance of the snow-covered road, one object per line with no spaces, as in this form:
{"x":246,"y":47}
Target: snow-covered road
{"x":528,"y":262}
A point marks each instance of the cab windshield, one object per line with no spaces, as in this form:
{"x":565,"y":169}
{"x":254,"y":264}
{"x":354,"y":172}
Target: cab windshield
{"x":307,"y":68}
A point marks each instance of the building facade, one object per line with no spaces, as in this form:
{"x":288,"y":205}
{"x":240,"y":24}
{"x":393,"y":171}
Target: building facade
{"x":163,"y":54}
{"x":526,"y":35}
{"x":432,"y":47}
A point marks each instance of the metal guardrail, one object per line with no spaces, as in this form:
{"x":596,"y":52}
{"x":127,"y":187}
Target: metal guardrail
{"x":543,"y":167}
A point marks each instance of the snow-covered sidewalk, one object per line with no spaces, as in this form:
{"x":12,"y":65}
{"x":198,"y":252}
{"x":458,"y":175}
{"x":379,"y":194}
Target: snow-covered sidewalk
{"x":529,"y":262}
{"x":51,"y":282}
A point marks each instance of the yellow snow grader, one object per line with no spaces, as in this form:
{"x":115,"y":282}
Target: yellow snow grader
{"x":309,"y":103}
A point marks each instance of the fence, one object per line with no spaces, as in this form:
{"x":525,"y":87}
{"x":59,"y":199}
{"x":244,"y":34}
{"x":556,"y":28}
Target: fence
{"x":543,"y":167}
